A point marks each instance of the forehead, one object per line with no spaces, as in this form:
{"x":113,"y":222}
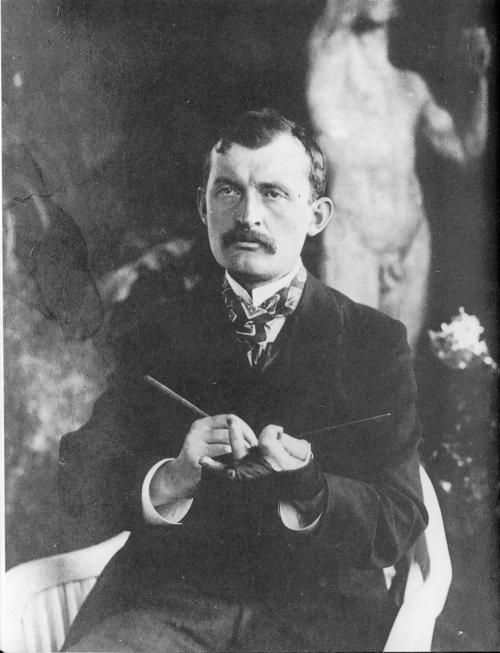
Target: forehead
{"x":283,"y":159}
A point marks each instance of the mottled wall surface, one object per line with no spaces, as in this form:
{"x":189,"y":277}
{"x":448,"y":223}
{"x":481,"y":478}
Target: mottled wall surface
{"x":107,"y":109}
{"x":117,"y":101}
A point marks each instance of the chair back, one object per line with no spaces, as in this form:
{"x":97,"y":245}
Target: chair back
{"x":43,"y":596}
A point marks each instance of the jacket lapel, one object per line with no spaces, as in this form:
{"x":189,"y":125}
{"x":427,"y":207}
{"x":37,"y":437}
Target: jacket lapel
{"x":305,"y":377}
{"x":219,"y":366}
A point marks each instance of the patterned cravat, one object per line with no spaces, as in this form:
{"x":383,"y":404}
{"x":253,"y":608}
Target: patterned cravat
{"x":250,"y":320}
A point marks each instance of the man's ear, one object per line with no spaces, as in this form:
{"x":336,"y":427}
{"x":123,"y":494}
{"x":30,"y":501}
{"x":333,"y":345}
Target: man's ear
{"x":202,"y":204}
{"x":322,"y":214}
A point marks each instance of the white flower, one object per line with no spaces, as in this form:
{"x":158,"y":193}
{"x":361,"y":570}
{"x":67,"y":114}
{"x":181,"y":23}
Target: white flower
{"x":459,"y":343}
{"x":446,"y":485}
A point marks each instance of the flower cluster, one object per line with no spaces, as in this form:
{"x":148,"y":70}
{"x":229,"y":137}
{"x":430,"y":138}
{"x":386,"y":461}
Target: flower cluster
{"x":459,"y":343}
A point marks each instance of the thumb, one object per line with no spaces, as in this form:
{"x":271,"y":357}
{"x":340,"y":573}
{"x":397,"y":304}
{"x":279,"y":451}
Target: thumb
{"x":297,"y":448}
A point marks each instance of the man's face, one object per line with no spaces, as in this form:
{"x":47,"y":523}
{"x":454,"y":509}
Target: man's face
{"x":258,"y":208}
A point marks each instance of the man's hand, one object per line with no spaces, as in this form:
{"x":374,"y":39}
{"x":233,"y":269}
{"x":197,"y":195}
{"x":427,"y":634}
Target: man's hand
{"x":284,"y":466}
{"x":282,"y":451}
{"x":207,"y":439}
{"x":276,"y":452}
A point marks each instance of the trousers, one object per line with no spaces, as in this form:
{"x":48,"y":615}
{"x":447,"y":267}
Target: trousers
{"x":190,"y":622}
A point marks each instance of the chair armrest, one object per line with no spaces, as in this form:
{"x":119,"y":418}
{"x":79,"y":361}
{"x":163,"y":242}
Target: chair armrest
{"x":427,"y":584}
{"x":413,"y":627}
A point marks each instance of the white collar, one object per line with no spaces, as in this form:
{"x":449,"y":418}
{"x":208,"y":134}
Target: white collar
{"x":261,"y":293}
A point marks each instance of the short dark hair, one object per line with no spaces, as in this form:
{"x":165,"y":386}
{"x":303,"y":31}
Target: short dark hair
{"x":254,"y":129}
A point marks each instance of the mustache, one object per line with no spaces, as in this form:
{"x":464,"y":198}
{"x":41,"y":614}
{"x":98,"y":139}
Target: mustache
{"x":244,"y":234}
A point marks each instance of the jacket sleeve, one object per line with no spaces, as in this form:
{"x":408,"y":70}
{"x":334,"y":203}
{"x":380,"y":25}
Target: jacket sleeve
{"x":374,"y":509}
{"x":103,"y":464}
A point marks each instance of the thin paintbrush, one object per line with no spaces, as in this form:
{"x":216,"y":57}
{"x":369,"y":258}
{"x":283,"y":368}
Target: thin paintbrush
{"x":373,"y":418}
{"x":173,"y":395}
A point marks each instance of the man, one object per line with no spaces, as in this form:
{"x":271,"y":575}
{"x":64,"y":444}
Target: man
{"x":246,"y":533}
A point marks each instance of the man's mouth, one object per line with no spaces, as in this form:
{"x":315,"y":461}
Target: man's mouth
{"x":248,"y":244}
{"x":249,"y":241}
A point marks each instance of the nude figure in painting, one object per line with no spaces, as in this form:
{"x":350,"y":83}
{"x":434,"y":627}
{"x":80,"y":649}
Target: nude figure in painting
{"x":367,"y":115}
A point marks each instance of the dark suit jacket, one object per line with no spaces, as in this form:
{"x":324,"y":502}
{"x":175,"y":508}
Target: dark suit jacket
{"x":336,"y":361}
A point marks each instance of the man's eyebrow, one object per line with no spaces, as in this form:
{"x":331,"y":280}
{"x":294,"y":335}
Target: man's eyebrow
{"x":221,"y":179}
{"x":264,"y":185}
{"x":275,"y":184}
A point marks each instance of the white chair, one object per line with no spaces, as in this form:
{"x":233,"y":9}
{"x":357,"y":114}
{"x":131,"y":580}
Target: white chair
{"x":44,"y":596}
{"x":427,"y":585}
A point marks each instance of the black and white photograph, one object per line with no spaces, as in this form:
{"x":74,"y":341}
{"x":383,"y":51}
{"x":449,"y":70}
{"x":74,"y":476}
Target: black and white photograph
{"x":250,"y":345}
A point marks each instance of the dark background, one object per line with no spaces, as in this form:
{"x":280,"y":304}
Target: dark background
{"x":114,"y":102}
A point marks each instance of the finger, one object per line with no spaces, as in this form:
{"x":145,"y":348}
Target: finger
{"x":217,"y":436}
{"x":279,"y":459}
{"x":202,"y":422}
{"x":220,"y":421}
{"x":214,"y":465}
{"x":297,"y":448}
{"x":236,"y":438}
{"x":248,"y":434}
{"x":214,"y":450}
{"x":272,"y":442}
{"x":269,"y":438}
{"x":272,"y":449}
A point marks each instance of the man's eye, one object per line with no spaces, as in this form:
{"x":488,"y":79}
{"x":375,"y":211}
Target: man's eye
{"x":227,"y":191}
{"x":273,"y":194}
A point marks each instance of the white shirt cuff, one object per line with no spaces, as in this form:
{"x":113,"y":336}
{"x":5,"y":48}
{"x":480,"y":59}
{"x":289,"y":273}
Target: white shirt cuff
{"x":291,"y":519}
{"x":168,"y":513}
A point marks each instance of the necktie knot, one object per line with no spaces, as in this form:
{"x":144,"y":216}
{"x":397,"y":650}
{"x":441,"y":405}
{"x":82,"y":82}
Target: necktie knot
{"x":250,"y":320}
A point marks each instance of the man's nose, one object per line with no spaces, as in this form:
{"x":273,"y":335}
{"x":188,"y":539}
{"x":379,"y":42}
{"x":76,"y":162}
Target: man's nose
{"x":251,"y":212}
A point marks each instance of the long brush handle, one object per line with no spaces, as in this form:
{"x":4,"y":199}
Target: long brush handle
{"x":374,"y":418}
{"x":173,"y":395}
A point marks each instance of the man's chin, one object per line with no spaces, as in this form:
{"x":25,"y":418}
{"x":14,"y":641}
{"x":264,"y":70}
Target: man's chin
{"x":251,"y":257}
{"x":251,"y":265}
